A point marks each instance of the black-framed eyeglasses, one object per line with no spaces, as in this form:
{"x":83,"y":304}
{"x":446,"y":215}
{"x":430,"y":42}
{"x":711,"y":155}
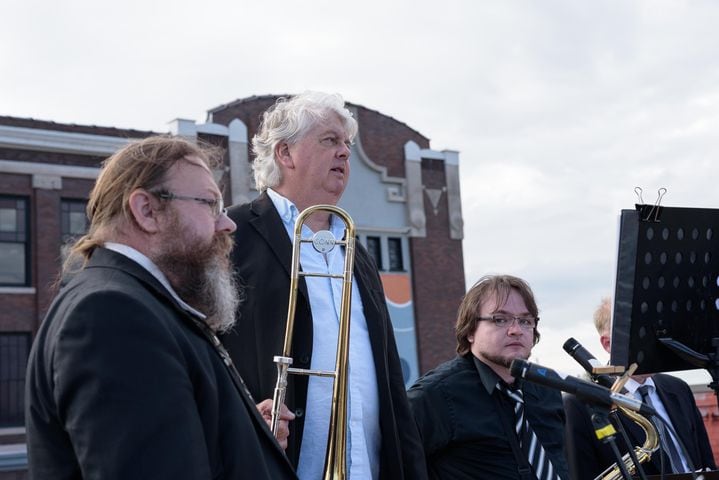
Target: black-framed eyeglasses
{"x":505,"y":320}
{"x":217,"y":205}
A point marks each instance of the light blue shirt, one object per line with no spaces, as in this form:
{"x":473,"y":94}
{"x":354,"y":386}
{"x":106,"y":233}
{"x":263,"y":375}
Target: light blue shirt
{"x":632,"y":387}
{"x":363,"y":436}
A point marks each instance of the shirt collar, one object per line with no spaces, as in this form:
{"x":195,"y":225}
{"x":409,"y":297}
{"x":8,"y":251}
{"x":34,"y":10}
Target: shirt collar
{"x":289,"y":212}
{"x":487,"y":376}
{"x":632,"y":385}
{"x":285,"y":208}
{"x":148,"y":265}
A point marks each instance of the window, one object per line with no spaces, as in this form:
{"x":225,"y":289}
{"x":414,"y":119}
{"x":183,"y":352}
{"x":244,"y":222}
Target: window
{"x":14,"y":244}
{"x":73,"y":223}
{"x":14,"y":350}
{"x":396,"y":263}
{"x":374,"y":247}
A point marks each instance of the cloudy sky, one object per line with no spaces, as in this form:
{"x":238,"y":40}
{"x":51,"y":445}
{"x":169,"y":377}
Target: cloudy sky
{"x":558,"y":108}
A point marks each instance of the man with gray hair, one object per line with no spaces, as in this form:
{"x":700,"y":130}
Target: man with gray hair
{"x":302,"y":153}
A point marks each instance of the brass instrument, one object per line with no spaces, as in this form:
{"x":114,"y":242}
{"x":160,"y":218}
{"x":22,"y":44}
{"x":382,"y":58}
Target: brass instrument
{"x":643,"y":452}
{"x":323,"y":241}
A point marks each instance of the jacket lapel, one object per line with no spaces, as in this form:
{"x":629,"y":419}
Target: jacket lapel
{"x":268,"y":224}
{"x":109,"y":259}
{"x":679,"y":414}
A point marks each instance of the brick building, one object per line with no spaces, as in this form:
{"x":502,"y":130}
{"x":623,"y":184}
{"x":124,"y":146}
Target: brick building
{"x":707,"y":404}
{"x":403,"y":197}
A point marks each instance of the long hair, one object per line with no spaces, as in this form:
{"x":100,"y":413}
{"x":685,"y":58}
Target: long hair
{"x":140,"y":164}
{"x":289,"y":121}
{"x":490,"y":286}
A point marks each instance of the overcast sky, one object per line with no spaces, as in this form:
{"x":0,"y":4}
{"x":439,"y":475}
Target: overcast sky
{"x":558,"y":108}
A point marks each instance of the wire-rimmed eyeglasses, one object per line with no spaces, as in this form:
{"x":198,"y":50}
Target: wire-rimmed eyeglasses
{"x":217,"y":205}
{"x":504,"y":320}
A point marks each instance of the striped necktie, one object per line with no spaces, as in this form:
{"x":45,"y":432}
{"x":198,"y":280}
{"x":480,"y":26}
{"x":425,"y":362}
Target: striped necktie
{"x":538,"y":458}
{"x":665,"y":439}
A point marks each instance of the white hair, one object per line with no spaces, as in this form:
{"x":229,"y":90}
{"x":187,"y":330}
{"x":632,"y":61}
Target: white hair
{"x":289,"y":121}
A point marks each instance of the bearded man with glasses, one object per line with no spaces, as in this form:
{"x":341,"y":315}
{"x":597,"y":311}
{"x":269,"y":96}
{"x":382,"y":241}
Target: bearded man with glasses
{"x":127,"y":378}
{"x":475,"y":419}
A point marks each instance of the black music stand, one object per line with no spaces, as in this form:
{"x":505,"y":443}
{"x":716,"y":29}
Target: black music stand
{"x":666,"y":303}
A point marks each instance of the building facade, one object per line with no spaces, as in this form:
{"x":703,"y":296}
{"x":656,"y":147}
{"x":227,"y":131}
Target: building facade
{"x":403,"y":196}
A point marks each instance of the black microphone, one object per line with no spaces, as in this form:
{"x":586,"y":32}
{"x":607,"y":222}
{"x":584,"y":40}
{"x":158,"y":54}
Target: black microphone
{"x":587,"y":391}
{"x":587,"y":361}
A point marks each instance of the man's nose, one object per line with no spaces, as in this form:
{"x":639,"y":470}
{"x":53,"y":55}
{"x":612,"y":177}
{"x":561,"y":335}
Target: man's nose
{"x":514,"y":328}
{"x":344,"y":151}
{"x":225,"y":224}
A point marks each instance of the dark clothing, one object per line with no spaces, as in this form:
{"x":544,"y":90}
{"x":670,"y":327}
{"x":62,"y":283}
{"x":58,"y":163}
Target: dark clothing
{"x":588,"y":457}
{"x":464,"y":437}
{"x":262,"y":257}
{"x":123,"y":383}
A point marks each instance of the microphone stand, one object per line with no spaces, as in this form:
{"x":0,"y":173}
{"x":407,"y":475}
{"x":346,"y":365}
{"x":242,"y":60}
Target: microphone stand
{"x":632,"y":454}
{"x":710,"y":361}
{"x":605,"y":432}
{"x":598,"y":374}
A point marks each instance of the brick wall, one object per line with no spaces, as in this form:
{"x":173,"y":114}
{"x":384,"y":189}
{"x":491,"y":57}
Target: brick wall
{"x":707,"y":404}
{"x":438,"y":276}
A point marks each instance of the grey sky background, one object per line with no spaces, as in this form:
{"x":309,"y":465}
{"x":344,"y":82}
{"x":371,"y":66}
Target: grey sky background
{"x":558,"y":108}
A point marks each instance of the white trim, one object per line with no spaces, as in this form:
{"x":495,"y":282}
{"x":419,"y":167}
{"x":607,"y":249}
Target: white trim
{"x":382,"y":230}
{"x":54,"y":141}
{"x":395,"y":191}
{"x":17,"y":291}
{"x":451,"y":157}
{"x":36,"y":168}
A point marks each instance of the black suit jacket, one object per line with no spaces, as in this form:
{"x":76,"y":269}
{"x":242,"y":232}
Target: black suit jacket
{"x":588,"y":457}
{"x":122,"y":383}
{"x":262,"y":257}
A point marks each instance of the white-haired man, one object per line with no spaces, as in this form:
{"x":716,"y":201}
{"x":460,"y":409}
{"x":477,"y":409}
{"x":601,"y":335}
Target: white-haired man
{"x":302,"y":154}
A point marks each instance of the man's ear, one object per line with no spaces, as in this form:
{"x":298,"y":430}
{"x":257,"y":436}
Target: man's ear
{"x":283,"y":155}
{"x":143,"y":209}
{"x":606,"y":343}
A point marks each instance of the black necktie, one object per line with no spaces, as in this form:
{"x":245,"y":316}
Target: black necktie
{"x":538,"y":458}
{"x":665,"y":439}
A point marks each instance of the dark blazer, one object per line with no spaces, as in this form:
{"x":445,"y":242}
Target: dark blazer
{"x":262,"y":256}
{"x":588,"y":457}
{"x":122,"y":383}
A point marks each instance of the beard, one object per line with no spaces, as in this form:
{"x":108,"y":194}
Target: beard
{"x":201,"y":274}
{"x":503,"y":360}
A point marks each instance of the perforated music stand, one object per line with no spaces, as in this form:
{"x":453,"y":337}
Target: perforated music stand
{"x":666,"y":303}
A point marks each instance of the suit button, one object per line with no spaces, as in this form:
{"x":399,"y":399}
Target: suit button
{"x":305,"y":360}
{"x":299,"y":413}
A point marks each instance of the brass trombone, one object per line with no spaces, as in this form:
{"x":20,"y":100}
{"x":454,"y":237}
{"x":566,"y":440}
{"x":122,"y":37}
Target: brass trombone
{"x":323,"y":241}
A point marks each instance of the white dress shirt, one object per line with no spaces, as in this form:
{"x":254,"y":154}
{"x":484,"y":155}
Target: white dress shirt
{"x":363,"y":436}
{"x":632,"y":387}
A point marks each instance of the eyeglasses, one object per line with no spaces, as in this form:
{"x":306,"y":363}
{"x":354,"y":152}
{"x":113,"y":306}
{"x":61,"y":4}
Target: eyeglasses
{"x":504,"y":320}
{"x":217,"y":205}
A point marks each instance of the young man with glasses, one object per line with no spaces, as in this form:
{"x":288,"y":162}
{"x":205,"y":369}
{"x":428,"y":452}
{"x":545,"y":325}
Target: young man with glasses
{"x":475,"y":419}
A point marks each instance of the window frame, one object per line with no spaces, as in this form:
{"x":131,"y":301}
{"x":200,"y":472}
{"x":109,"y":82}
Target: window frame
{"x":26,"y":242}
{"x":13,"y":417}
